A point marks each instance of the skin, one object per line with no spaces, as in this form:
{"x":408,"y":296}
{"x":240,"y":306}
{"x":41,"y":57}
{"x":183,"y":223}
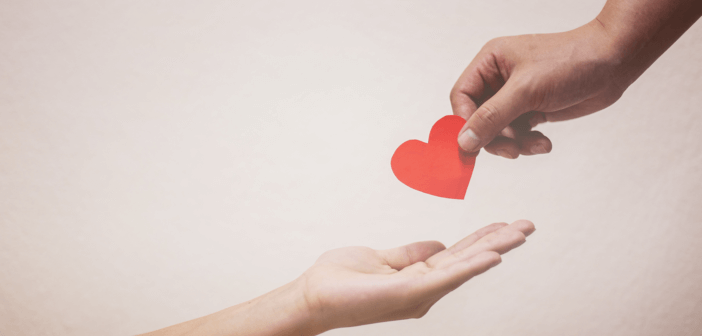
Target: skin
{"x":518,"y":82}
{"x":353,"y":286}
{"x":512,"y":85}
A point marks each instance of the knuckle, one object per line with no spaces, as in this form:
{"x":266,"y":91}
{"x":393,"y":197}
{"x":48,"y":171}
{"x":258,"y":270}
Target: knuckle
{"x":499,"y":47}
{"x":494,"y":44}
{"x":455,"y":91}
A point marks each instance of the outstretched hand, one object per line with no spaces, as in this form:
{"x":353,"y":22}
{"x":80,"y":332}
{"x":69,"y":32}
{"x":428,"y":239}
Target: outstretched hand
{"x":359,"y":285}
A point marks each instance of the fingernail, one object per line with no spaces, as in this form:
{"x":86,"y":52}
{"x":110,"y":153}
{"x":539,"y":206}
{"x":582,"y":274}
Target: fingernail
{"x":505,"y":154}
{"x":538,"y":149}
{"x":469,"y":141}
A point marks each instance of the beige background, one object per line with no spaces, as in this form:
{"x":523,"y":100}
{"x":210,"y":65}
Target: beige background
{"x":162,"y":160}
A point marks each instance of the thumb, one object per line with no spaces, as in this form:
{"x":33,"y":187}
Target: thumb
{"x":403,"y":256}
{"x":493,"y":116}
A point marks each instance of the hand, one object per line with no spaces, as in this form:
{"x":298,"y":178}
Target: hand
{"x":515,"y":83}
{"x":358,"y":285}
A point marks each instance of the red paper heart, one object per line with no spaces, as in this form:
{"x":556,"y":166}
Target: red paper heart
{"x":438,"y":168}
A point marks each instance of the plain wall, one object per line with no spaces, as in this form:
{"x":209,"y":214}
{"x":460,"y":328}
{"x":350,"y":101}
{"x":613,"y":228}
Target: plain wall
{"x":162,"y":160}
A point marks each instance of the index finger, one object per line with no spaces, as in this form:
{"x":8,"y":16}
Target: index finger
{"x":478,"y":82}
{"x":481,"y":241}
{"x":465,"y":242}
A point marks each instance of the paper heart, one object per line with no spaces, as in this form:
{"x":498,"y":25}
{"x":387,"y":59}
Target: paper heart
{"x":440,"y":167}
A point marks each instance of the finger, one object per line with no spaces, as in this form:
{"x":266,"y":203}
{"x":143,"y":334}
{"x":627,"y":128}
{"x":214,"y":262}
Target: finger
{"x":525,"y":122}
{"x":581,"y":109}
{"x":535,"y":119}
{"x":463,"y":104}
{"x":440,"y":282}
{"x":493,"y":116}
{"x":500,"y":241}
{"x":524,"y":226}
{"x":403,"y":256}
{"x":481,"y":79}
{"x":465,"y":242}
{"x":508,"y":143}
{"x":505,"y":147}
{"x":509,"y":132}
{"x":534,"y":142}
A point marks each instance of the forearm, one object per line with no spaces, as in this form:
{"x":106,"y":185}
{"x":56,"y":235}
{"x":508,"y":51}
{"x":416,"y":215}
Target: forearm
{"x":280,"y":312}
{"x":640,"y":31}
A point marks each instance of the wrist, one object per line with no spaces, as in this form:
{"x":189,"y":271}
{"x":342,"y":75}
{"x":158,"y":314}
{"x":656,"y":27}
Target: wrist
{"x":604,"y":44}
{"x":620,"y":43}
{"x":303,"y":318}
{"x":281,"y":312}
{"x":289,"y":311}
{"x":607,"y":53}
{"x":638,"y":32}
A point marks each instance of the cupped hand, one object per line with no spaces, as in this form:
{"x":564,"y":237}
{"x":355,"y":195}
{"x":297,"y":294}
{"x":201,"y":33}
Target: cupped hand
{"x":517,"y":82}
{"x":359,"y":285}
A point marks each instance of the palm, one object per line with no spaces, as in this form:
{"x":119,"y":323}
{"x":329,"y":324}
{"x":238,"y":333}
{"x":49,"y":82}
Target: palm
{"x":354,"y":280}
{"x":360,"y":285}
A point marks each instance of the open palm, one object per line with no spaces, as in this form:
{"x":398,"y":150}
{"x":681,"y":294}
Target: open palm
{"x":359,"y":285}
